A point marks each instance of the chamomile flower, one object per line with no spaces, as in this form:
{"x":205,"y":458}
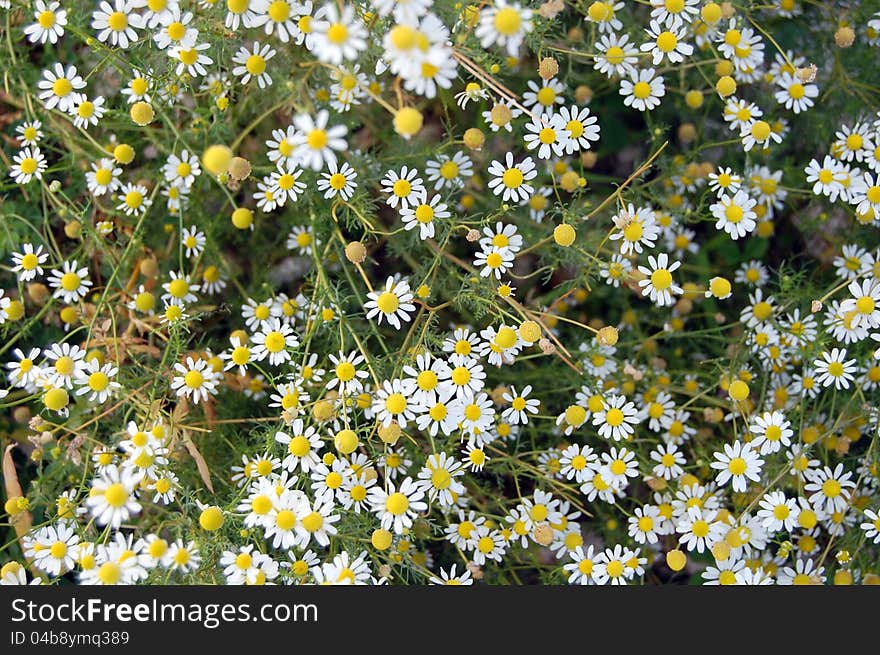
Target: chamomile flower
{"x":834,"y":368}
{"x":180,"y":289}
{"x":172,"y":28}
{"x":346,"y":376}
{"x":548,"y":134}
{"x":669,"y":461}
{"x":735,"y":215}
{"x":778,"y":513}
{"x":28,"y":163}
{"x":134,"y":199}
{"x":438,"y":478}
{"x":397,"y":506}
{"x":113,"y":498}
{"x":510,"y":180}
{"x":55,"y":548}
{"x":667,"y":43}
{"x":338,"y":35}
{"x":50,"y":21}
{"x":194,"y":379}
{"x":252,"y":64}
{"x":617,"y":56}
{"x":635,"y":229}
{"x":97,"y":381}
{"x":617,"y":419}
{"x":116,"y":23}
{"x":449,"y":172}
{"x":60,"y":87}
{"x":393,"y":303}
{"x":28,"y":263}
{"x":794,"y":94}
{"x":737,"y":463}
{"x":504,"y":23}
{"x":643,"y":89}
{"x":423,"y":214}
{"x":274,"y":340}
{"x":71,"y":283}
{"x":773,"y":431}
{"x":659,"y":284}
{"x":338,"y":180}
{"x":30,"y":132}
{"x":759,"y":133}
{"x":405,"y":189}
{"x":190,"y":59}
{"x":494,"y":261}
{"x":182,"y":169}
{"x":871,"y":527}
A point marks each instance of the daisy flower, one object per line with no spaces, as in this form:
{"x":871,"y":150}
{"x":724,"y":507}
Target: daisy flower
{"x":504,"y":23}
{"x":71,"y":284}
{"x":510,"y":181}
{"x":643,"y":89}
{"x":738,"y":462}
{"x":659,"y":284}
{"x":398,"y":506}
{"x":49,"y":25}
{"x":195,"y":380}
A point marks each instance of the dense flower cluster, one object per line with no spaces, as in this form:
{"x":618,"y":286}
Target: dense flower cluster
{"x":409,"y":292}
